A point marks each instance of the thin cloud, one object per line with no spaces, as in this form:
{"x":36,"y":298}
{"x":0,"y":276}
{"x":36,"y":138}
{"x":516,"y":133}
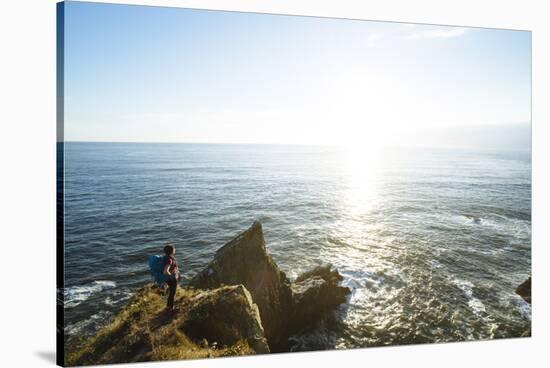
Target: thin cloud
{"x":437,"y":33}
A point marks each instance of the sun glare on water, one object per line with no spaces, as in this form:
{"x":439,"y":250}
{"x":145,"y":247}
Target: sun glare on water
{"x":362,"y":166}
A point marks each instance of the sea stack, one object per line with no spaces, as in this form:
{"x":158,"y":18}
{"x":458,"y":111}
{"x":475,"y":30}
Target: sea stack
{"x":244,"y":260}
{"x":285,"y":307}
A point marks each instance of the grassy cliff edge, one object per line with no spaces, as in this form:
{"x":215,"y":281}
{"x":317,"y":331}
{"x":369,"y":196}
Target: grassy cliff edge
{"x":144,"y":331}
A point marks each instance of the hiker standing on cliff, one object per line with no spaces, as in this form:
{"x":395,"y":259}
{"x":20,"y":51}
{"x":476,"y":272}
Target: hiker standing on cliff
{"x":172,"y":274}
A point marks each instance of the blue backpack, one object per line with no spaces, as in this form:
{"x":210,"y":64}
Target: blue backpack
{"x":156,"y":266}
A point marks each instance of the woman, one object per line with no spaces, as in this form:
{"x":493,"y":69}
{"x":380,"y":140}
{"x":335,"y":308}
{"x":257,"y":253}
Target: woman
{"x":172,"y":274}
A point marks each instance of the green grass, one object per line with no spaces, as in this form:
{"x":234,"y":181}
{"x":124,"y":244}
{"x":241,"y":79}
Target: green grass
{"x":143,"y":331}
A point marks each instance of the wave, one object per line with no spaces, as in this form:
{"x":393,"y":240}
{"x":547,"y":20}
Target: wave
{"x":117,"y":298}
{"x":75,"y":295}
{"x":523,"y":307}
{"x":474,"y":303}
{"x":87,"y":326}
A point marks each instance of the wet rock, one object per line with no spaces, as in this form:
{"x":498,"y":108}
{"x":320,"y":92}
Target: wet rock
{"x":314,"y":293}
{"x":524,"y":290}
{"x":325,"y":272}
{"x":225,"y":316}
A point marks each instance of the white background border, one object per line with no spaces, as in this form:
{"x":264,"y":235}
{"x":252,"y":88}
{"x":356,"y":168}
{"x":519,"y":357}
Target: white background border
{"x":27,"y":202}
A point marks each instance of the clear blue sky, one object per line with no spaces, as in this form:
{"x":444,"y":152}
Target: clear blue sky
{"x":135,"y":73}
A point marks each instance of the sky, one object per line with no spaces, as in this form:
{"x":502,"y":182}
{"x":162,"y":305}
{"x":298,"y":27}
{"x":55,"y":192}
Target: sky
{"x":154,"y":74}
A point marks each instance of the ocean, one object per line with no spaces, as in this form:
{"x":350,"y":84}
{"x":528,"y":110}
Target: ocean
{"x":433,"y":242}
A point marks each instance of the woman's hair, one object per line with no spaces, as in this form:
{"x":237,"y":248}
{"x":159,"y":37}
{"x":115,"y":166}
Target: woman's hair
{"x":169,"y":249}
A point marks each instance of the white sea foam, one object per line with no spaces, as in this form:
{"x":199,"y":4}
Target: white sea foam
{"x":77,"y":294}
{"x":117,"y":298}
{"x":523,"y":307}
{"x":474,"y":303}
{"x":434,"y":263}
{"x":89,"y":324}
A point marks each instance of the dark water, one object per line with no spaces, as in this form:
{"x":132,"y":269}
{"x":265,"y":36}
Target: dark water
{"x":433,"y":242}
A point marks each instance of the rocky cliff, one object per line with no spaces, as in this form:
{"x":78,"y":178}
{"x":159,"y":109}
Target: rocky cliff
{"x":241,"y":303}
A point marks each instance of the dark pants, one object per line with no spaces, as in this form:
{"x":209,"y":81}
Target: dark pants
{"x":172,"y":285}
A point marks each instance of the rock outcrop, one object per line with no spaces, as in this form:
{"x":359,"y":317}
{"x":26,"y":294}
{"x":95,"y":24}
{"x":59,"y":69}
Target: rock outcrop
{"x":284,"y":307}
{"x":314,"y":293}
{"x":225,"y":316}
{"x":244,"y":260}
{"x":524,"y":290}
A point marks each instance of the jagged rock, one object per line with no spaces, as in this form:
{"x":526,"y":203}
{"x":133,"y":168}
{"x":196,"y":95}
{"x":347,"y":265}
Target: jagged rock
{"x":325,"y":272}
{"x":314,"y":293}
{"x":225,"y":316}
{"x":244,"y":260}
{"x":284,"y":308}
{"x":524,"y":290}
